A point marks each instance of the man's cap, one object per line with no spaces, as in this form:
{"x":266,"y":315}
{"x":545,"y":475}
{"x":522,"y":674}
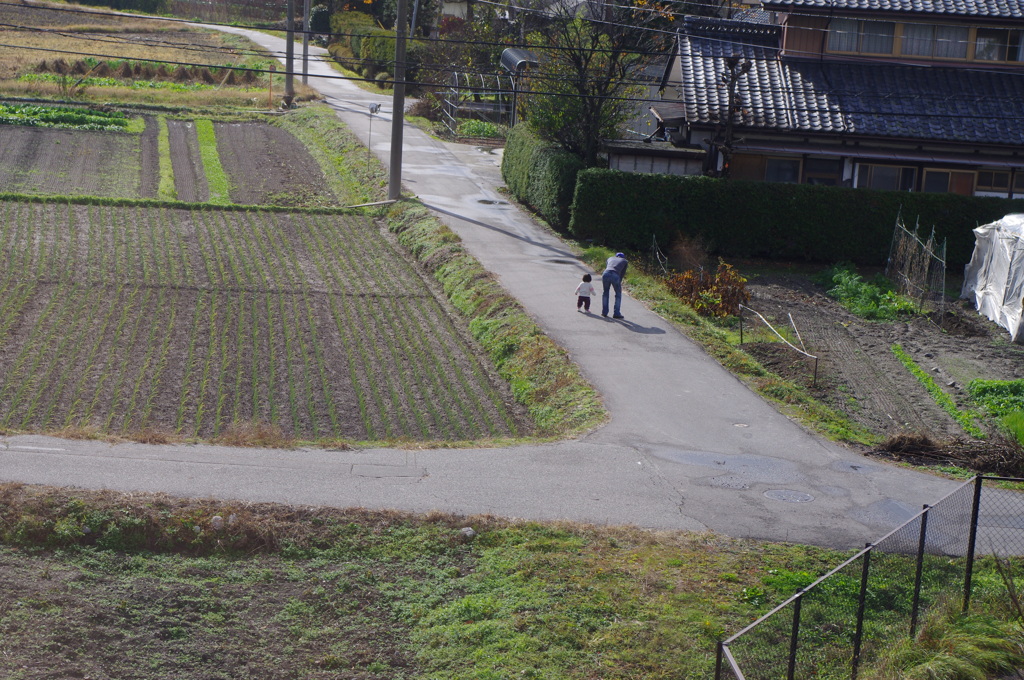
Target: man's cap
{"x":619,"y":255}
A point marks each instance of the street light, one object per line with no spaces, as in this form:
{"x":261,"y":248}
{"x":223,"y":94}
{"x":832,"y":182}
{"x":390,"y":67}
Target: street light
{"x":374,"y":108}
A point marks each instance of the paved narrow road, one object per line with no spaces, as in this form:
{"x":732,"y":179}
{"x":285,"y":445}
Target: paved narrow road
{"x":688,"y":445}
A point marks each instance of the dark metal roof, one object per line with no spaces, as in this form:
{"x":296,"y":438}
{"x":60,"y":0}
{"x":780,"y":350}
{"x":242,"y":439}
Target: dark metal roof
{"x":1006,"y":9}
{"x":856,"y":99}
{"x":514,"y":58}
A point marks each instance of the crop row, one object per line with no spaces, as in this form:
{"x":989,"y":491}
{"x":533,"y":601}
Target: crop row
{"x":59,"y":116}
{"x":125,"y":318}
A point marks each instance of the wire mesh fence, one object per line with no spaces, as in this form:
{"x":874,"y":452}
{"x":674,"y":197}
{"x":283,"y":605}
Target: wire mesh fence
{"x":831,"y":627}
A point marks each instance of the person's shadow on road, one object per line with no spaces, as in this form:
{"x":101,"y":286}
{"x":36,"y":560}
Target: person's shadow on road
{"x":636,"y":328}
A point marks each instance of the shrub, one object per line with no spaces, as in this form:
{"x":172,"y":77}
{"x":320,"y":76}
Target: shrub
{"x":350,"y":27}
{"x":718,"y":294}
{"x":319,"y":19}
{"x":540,"y":175}
{"x":481,"y":128}
{"x":760,"y":219}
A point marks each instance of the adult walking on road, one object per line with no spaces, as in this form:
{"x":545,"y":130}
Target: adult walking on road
{"x":614,"y":272}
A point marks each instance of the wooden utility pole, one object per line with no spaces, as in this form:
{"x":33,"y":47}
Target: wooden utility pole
{"x":289,"y":59}
{"x":398,"y":103}
{"x":305,"y":43}
{"x":737,"y":68}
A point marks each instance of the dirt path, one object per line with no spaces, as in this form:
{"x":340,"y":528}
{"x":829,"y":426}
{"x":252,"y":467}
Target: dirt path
{"x":149,"y":181}
{"x":189,"y":178}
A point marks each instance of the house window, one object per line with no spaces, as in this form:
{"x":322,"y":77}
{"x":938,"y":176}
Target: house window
{"x":949,"y":181}
{"x":929,"y":40}
{"x":871,"y":37}
{"x":993,"y":180}
{"x":823,"y":171}
{"x":886,"y":177}
{"x":782,"y":170}
{"x":997,"y":44}
{"x":843,"y":35}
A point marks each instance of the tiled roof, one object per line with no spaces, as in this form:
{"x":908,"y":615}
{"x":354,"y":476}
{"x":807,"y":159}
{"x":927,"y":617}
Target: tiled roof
{"x":754,"y":15}
{"x":871,"y":99}
{"x":963,"y":8}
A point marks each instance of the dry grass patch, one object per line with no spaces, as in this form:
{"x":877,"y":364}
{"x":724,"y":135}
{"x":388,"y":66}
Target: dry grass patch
{"x":155,"y":435}
{"x":261,"y":435}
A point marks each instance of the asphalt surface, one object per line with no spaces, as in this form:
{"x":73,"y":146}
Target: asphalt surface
{"x":688,"y":446}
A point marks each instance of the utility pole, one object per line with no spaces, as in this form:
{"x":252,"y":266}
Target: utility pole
{"x":289,"y":65}
{"x":398,"y":103}
{"x":305,"y":43}
{"x":737,"y":68}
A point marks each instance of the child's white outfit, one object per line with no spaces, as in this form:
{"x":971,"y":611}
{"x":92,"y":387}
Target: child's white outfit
{"x":584,"y":292}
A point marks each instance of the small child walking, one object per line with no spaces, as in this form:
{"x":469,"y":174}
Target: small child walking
{"x":584,"y":292}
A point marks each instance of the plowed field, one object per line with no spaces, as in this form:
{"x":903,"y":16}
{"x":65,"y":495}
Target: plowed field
{"x":264,"y":164}
{"x":127,"y":318}
{"x":267,"y":165}
{"x":74,"y":162}
{"x":859,"y":375}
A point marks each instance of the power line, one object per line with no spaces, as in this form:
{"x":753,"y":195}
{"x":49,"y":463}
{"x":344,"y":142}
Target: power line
{"x":550,"y":77}
{"x":639,"y":100}
{"x":541,"y":76}
{"x":728,"y":41}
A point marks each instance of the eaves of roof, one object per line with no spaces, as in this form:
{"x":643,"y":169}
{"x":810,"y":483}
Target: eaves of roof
{"x":992,"y":9}
{"x":881,"y":154}
{"x":855,"y":99}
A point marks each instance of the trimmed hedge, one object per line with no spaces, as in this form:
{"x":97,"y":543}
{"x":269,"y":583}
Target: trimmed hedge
{"x":150,"y":6}
{"x":540,"y":175}
{"x":350,"y":27}
{"x":372,"y":46}
{"x":776,"y":221}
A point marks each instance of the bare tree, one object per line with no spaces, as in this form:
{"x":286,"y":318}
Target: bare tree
{"x":591,"y":54}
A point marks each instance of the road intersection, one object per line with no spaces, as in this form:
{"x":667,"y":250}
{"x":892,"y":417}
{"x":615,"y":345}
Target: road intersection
{"x":688,"y":446}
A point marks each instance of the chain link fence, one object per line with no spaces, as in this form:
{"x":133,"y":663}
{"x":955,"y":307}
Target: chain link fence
{"x":828,"y":628}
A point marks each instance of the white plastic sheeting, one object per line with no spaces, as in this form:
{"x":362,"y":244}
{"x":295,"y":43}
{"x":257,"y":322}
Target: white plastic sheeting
{"x":994,"y":278}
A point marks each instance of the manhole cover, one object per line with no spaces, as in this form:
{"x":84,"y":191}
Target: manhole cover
{"x":789,"y":496}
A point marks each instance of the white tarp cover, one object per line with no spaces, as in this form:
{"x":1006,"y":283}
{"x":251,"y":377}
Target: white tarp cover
{"x":994,"y":278}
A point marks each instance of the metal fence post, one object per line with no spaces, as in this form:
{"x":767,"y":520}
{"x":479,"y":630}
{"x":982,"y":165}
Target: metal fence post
{"x":972,"y":541}
{"x":920,"y":566}
{"x":718,"y":661}
{"x":795,"y":636}
{"x":858,"y":635}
